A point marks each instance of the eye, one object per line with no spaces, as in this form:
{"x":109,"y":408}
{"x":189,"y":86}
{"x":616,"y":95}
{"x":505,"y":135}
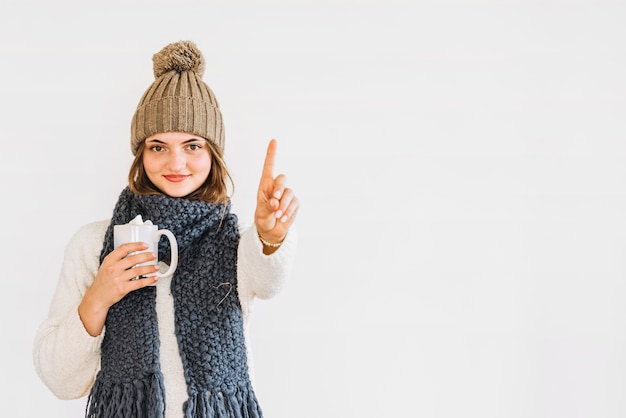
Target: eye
{"x":195,"y":147}
{"x":156,"y":148}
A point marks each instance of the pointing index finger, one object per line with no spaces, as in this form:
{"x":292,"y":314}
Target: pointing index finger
{"x":268,"y":165}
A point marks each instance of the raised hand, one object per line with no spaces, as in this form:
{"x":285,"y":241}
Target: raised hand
{"x":277,"y":205}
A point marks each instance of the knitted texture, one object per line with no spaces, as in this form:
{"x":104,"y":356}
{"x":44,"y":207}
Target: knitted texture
{"x":208,"y":319}
{"x":178,"y":100}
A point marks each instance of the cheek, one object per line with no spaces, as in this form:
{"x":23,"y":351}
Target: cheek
{"x":201,"y":165}
{"x":207,"y":166}
{"x":150,"y":165}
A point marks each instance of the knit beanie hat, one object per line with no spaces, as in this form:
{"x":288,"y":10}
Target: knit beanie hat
{"x":178,"y":100}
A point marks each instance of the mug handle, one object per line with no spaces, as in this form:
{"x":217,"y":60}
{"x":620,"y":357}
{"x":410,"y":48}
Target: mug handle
{"x":174,"y":250}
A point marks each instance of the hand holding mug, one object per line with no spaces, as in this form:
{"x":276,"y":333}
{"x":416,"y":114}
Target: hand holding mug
{"x":149,"y":234}
{"x":135,"y":255}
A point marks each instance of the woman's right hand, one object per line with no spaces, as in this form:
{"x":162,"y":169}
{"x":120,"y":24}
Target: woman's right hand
{"x":114,"y":281}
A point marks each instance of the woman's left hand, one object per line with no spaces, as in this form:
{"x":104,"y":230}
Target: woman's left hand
{"x":277,"y":205}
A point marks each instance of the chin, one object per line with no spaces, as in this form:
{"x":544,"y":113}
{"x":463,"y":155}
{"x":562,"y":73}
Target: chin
{"x":176,"y":191}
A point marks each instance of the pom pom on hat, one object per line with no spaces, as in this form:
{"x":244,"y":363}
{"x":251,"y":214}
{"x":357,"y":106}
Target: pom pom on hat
{"x":180,"y":56}
{"x":178,"y":100}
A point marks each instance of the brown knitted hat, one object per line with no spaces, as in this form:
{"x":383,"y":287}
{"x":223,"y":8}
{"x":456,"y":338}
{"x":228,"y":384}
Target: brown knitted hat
{"x":178,"y":100}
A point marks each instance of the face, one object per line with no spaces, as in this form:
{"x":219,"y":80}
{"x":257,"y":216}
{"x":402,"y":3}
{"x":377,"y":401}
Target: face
{"x":178,"y":163}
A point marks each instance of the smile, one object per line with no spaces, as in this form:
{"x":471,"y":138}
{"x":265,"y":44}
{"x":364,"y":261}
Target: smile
{"x":176,"y":178}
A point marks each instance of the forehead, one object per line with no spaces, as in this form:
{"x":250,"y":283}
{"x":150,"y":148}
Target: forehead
{"x":174,"y":137}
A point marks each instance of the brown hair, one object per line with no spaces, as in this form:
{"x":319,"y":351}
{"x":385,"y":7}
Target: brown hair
{"x":214,"y":189}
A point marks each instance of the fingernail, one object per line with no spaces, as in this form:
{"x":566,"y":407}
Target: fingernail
{"x":283,"y":219}
{"x":279,"y":213}
{"x":278,"y":194}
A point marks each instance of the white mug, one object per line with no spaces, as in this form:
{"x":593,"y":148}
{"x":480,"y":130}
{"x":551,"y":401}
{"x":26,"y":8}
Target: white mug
{"x":150,"y":234}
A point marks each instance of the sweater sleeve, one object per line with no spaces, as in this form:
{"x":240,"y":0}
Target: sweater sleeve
{"x":66,"y":357}
{"x":260,"y":275}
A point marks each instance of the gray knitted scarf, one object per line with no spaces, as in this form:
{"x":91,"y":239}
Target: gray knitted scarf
{"x":209,"y":322}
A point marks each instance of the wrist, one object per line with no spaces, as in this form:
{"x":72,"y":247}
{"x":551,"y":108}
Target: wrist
{"x":270,"y":244}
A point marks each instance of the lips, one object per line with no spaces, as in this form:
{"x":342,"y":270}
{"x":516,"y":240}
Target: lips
{"x":176,"y":178}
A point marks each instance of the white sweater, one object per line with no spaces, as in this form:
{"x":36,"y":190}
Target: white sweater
{"x":67,"y":358}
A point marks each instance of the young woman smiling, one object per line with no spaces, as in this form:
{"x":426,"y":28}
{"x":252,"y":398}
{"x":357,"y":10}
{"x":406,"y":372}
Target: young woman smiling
{"x":173,"y":346}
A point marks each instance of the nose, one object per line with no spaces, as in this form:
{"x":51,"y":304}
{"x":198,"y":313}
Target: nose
{"x":177,"y":161}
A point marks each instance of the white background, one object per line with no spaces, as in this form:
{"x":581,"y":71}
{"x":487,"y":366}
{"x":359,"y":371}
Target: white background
{"x":461,"y":171}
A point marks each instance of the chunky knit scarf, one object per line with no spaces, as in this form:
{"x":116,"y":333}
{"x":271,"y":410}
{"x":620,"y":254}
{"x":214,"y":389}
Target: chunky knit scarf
{"x":209,"y":323}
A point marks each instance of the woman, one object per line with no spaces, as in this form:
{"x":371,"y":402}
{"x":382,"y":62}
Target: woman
{"x":172,"y":346}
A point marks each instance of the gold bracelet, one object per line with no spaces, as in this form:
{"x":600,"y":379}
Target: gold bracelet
{"x":269,"y":244}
